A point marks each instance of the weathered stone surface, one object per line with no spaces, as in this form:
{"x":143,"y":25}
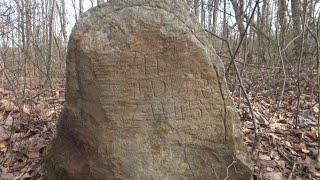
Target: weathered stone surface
{"x":146,"y":99}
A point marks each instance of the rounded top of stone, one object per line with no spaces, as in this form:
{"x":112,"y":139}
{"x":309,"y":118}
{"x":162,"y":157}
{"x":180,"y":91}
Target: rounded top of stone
{"x":93,"y":19}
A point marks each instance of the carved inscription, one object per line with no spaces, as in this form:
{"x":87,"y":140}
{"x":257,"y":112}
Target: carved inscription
{"x":146,"y":86}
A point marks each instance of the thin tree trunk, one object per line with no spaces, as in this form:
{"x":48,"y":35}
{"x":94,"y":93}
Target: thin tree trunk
{"x":196,"y":8}
{"x":99,"y":2}
{"x":239,"y":13}
{"x":80,"y":7}
{"x":74,"y":9}
{"x":91,"y":1}
{"x":49,"y":59}
{"x":282,"y":8}
{"x":210,"y":13}
{"x":215,"y":15}
{"x":296,"y":23}
{"x":225,"y":22}
{"x":263,"y":29}
{"x":203,"y":14}
{"x":63,"y":16}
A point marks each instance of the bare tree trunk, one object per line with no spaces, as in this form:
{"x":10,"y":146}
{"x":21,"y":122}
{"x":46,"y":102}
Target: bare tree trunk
{"x":203,"y":14}
{"x":99,"y":2}
{"x":27,"y":13}
{"x":265,"y":16}
{"x":19,"y":31}
{"x":74,"y":9}
{"x":225,"y":21}
{"x":210,"y":13}
{"x":263,"y":26}
{"x":215,"y":15}
{"x":92,"y":4}
{"x":259,"y":22}
{"x":49,"y":59}
{"x":63,"y":16}
{"x":23,"y":36}
{"x":311,"y":10}
{"x":296,"y":23}
{"x":282,"y":8}
{"x":239,"y":13}
{"x":196,"y":8}
{"x":308,"y":11}
{"x":80,"y":7}
{"x":44,"y":35}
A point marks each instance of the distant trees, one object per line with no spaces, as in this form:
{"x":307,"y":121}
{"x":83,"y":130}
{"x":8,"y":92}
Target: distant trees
{"x":35,"y":33}
{"x":279,"y":34}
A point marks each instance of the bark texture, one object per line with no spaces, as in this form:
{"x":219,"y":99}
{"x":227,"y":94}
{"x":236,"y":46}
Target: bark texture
{"x":146,"y":99}
{"x":282,"y":21}
{"x":296,"y":27}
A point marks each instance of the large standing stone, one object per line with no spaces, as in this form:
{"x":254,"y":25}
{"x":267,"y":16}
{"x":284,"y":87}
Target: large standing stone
{"x":146,"y":99}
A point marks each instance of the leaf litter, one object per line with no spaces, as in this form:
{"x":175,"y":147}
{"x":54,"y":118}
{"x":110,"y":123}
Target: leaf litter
{"x":26,"y":132}
{"x":283,"y":152}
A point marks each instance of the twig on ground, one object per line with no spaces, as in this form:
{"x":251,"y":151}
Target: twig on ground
{"x":230,"y":165}
{"x":292,"y":170}
{"x":284,"y":71}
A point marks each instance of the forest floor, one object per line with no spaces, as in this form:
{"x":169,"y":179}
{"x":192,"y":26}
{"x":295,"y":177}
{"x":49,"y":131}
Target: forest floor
{"x":282,"y":152}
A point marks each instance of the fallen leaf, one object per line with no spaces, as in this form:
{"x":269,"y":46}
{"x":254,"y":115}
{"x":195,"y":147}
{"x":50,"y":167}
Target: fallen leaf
{"x":287,"y":143}
{"x":306,"y":151}
{"x":33,"y":155}
{"x":8,"y":106}
{"x":49,"y":113}
{"x":9,"y":121}
{"x":26,"y":110}
{"x":264,"y":157}
{"x":3,"y":146}
{"x":269,"y":169}
{"x":4,"y":134}
{"x":316,"y":108}
{"x":273,"y":176}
